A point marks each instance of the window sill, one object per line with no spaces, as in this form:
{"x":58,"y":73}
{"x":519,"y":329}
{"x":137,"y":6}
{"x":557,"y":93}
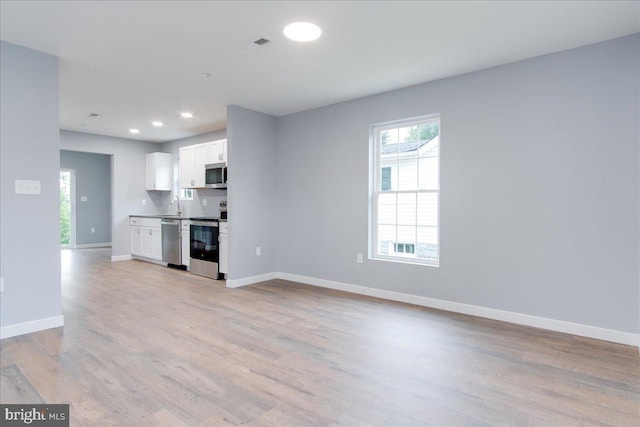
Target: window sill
{"x":429,"y":263}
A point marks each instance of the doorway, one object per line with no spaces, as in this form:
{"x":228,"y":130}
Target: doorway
{"x":67,"y":208}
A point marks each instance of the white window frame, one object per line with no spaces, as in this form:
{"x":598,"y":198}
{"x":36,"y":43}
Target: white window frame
{"x":375,"y":190}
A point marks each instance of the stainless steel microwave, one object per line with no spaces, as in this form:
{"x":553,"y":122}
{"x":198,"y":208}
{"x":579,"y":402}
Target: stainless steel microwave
{"x":215,"y":175}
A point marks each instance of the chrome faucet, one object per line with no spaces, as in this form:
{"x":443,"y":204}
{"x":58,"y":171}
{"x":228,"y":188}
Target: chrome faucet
{"x":176,"y":197}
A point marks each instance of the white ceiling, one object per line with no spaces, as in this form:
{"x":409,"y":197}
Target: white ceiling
{"x":137,"y":61}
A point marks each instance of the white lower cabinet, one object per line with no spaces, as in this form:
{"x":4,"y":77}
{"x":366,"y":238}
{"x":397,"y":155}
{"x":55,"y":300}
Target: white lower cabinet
{"x":146,"y":237}
{"x":151,"y":242}
{"x":223,"y":238}
{"x":186,"y":246}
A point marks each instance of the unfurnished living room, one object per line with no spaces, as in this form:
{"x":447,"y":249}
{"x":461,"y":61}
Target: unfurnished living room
{"x":320,"y":213}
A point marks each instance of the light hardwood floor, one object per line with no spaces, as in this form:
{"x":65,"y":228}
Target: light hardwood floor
{"x":149,"y":346}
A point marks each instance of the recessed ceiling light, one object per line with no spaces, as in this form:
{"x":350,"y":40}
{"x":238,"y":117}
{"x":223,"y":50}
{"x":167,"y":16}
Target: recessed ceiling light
{"x":157,"y":124}
{"x":134,"y":130}
{"x":186,"y":115}
{"x":302,"y":31}
{"x":206,"y":74}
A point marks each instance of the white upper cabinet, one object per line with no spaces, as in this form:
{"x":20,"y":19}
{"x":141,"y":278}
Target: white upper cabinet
{"x":218,"y":153}
{"x":202,"y":157}
{"x":193,"y":159}
{"x":187,"y":167}
{"x":159,"y":172}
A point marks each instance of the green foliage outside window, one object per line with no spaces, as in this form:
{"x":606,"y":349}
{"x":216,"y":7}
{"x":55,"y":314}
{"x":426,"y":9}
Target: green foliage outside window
{"x":65,"y":208}
{"x":427,"y":132}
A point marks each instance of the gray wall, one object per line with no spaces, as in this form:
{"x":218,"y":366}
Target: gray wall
{"x":539,"y":188}
{"x":213,"y":196}
{"x":93,"y":181}
{"x":29,"y":225}
{"x":128,"y":175}
{"x":251,"y":154}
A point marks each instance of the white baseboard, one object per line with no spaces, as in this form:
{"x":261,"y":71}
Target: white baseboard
{"x":150,"y":260}
{"x":93,"y":245}
{"x":474,"y":310}
{"x":32,"y":326}
{"x":115,"y":258}
{"x":250,"y":280}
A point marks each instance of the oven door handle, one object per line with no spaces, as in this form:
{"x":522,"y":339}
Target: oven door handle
{"x":205,"y":223}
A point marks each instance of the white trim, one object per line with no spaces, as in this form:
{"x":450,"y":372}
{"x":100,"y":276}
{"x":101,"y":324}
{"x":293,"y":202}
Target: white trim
{"x":32,"y":326}
{"x":150,"y":260}
{"x":251,"y":280}
{"x":120,"y":258}
{"x":375,"y":190}
{"x":474,"y":310}
{"x":93,"y":245}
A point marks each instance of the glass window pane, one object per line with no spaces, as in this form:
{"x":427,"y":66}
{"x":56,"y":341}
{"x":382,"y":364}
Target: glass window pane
{"x":428,"y":209}
{"x":406,"y":234}
{"x":430,"y":149}
{"x":408,"y":174}
{"x":428,"y":176}
{"x":389,"y":163}
{"x":429,"y":130}
{"x":427,"y":246}
{"x":408,"y":163}
{"x":385,"y":179}
{"x":389,"y":136}
{"x":407,"y":209}
{"x":386,"y":238}
{"x":387,"y":209}
{"x":408,"y":134}
{"x":428,"y":235}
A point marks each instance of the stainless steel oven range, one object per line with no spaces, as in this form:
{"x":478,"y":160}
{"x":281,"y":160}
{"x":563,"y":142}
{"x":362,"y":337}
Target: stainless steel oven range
{"x":204,"y":247}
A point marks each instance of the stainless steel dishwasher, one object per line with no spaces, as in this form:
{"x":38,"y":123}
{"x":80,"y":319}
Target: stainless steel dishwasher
{"x":171,"y":243}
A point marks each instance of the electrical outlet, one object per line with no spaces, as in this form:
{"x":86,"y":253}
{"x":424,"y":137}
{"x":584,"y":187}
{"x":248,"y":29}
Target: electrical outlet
{"x":144,"y":202}
{"x":1,"y":284}
{"x":83,"y":198}
{"x":93,"y":229}
{"x":204,"y":202}
{"x":359,"y":258}
{"x":258,"y":250}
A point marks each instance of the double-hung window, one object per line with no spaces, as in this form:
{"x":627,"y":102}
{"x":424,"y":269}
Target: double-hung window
{"x":405,"y":173}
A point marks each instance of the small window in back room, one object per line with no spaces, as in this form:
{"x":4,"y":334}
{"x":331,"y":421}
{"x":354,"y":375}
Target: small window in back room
{"x":186,"y":194}
{"x":405,"y":173}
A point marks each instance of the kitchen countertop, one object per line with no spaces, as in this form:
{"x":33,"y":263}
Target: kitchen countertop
{"x":183,"y":218}
{"x":162,"y":216}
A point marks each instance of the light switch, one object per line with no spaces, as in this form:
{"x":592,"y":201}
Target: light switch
{"x":25,"y":186}
{"x":204,"y":202}
{"x":83,"y":198}
{"x":144,"y":202}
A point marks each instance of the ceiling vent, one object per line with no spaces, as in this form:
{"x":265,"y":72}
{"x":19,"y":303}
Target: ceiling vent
{"x":262,"y":41}
{"x":257,"y":43}
{"x":93,"y":115}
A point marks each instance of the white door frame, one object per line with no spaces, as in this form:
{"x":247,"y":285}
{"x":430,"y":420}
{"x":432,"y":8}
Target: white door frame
{"x":72,"y":205}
